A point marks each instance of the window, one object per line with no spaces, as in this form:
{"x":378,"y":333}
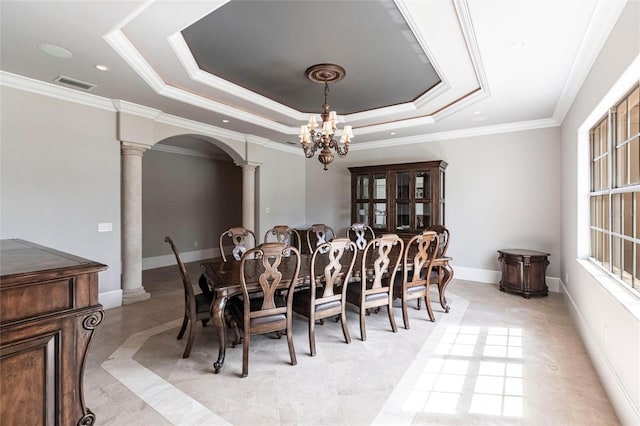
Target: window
{"x":614,"y":196}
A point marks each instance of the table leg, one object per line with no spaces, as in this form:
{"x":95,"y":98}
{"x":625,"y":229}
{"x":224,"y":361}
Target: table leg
{"x":217,"y":315}
{"x":442,"y":285}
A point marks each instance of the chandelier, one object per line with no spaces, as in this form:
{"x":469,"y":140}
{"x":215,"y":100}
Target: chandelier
{"x":312,"y":139}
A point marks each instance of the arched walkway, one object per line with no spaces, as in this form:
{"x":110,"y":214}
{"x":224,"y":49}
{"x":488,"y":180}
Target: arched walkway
{"x":138,"y":134}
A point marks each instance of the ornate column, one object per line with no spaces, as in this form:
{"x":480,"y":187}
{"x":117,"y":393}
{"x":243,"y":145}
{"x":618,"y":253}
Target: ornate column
{"x":249,"y":194}
{"x":132,"y":290}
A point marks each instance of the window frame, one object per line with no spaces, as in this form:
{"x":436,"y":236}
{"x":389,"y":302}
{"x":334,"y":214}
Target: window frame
{"x":613,"y":226}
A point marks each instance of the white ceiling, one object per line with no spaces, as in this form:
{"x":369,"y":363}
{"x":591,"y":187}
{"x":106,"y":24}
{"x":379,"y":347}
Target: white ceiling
{"x":504,"y":64}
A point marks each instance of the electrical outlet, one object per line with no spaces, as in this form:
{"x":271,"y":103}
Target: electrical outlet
{"x":105,"y":227}
{"x":267,"y":210}
{"x":566,"y":278}
{"x":195,"y":244}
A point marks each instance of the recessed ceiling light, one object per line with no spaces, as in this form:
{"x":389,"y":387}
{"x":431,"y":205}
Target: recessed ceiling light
{"x":476,"y":112}
{"x":53,"y":50}
{"x":225,"y":121}
{"x":519,"y":45}
{"x":102,"y":67}
{"x":392,"y":133}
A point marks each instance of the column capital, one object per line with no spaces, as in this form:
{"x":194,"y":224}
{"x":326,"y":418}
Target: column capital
{"x":248,"y":165}
{"x":132,"y":148}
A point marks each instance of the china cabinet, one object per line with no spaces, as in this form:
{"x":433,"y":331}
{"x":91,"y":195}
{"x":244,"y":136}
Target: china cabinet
{"x":400,"y":198}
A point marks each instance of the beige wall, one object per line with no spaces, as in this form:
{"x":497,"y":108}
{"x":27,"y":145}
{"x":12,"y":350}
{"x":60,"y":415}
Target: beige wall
{"x":191,"y":199}
{"x":281,"y":188}
{"x":607,"y":316}
{"x":60,"y":177}
{"x":502,"y":191}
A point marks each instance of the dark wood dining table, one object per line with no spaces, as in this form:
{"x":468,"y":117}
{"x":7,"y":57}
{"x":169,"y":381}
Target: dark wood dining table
{"x":224,"y":280}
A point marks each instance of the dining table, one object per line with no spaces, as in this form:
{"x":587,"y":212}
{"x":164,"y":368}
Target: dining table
{"x":224,"y":281}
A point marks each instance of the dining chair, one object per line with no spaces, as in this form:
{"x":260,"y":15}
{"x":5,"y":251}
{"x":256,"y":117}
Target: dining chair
{"x":361,"y":234}
{"x":380,"y":261}
{"x":239,"y":237}
{"x":330,"y":270}
{"x":317,"y":234}
{"x":443,"y":239}
{"x":284,"y":234}
{"x":270,"y":265}
{"x":441,"y":261}
{"x":413,"y":281}
{"x":197,"y":307}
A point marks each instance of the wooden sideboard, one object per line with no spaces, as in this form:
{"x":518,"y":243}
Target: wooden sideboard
{"x":48,"y":311}
{"x":523,"y":272}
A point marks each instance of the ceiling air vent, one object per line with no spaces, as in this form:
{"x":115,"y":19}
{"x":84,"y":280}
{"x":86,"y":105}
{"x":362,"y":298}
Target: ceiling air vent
{"x":74,"y":83}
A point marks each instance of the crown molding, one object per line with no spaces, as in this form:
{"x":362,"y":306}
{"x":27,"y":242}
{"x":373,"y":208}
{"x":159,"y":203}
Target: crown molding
{"x":184,"y":55}
{"x":459,"y":134}
{"x":48,"y":89}
{"x":52,"y":90}
{"x":121,"y":44}
{"x":135,"y":109}
{"x":464,"y":17}
{"x":603,"y":18}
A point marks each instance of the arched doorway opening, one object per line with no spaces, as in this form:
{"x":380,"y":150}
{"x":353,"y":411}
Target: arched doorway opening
{"x":191,"y":191}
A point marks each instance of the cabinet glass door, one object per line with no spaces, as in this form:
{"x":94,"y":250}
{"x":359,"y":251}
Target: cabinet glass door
{"x":402,"y":216}
{"x":379,"y":186}
{"x":402,"y":185}
{"x":362,"y":186}
{"x":423,"y":216}
{"x":423,"y":185}
{"x":362,"y":213}
{"x":380,"y":215}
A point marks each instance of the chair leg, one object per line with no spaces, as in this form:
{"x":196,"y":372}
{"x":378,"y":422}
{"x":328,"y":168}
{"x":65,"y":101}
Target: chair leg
{"x":183,"y":327}
{"x":405,"y":314}
{"x":245,"y":354}
{"x":190,"y":339}
{"x":292,"y":351}
{"x":392,"y":318}
{"x":363,"y":330}
{"x":237,"y":338}
{"x":345,"y":328}
{"x":312,"y":336}
{"x":418,"y":305}
{"x":429,"y":310}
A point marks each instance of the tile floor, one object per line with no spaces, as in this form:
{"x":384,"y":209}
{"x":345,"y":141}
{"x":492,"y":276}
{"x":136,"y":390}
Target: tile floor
{"x":495,"y":359}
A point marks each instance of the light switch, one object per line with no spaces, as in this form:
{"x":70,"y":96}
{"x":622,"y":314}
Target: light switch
{"x":105,"y":227}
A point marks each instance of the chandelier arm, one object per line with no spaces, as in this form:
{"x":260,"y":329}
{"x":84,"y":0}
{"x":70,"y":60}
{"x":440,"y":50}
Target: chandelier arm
{"x":309,"y":151}
{"x":340,"y":150}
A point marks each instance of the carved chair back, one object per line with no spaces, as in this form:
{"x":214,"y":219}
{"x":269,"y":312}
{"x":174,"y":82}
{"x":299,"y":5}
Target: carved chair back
{"x":242,"y":239}
{"x":361,"y":234}
{"x":443,"y":239}
{"x":284,"y":234}
{"x":317,"y":234}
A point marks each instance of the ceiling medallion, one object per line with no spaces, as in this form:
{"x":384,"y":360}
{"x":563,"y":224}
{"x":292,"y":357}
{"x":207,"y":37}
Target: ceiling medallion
{"x":324,"y":137}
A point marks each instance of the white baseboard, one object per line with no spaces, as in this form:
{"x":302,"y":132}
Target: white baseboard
{"x":493,"y":277}
{"x":170,"y":259}
{"x":110,"y":299}
{"x":474,"y":274}
{"x":622,"y":402}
